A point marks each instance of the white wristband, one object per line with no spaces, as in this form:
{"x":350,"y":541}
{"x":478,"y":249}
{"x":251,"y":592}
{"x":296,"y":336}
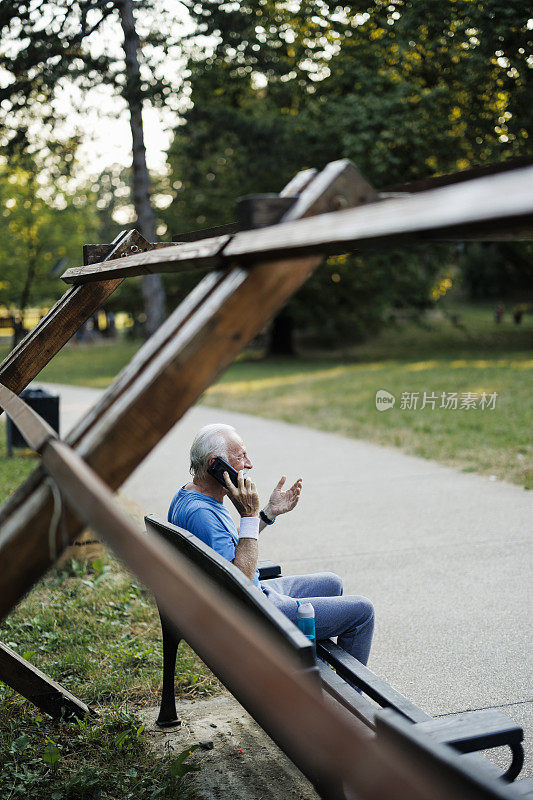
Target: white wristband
{"x":249,"y":528}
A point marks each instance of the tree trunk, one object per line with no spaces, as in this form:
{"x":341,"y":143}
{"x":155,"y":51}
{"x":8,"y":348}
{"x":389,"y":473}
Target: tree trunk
{"x":281,"y":340}
{"x":152,"y":285}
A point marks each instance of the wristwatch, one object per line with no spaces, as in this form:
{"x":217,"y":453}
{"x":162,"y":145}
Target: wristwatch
{"x":265,"y":519}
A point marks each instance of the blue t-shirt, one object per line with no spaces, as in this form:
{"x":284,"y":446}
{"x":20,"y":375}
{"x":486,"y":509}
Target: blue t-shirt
{"x":208,"y":519}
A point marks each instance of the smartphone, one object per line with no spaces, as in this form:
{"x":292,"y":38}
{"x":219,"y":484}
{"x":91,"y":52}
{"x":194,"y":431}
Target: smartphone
{"x":219,"y":467}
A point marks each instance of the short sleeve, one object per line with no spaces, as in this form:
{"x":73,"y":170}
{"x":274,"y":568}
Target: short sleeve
{"x":204,"y":524}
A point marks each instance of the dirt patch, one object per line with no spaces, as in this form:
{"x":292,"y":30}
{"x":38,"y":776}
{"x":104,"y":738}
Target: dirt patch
{"x":243,"y":764}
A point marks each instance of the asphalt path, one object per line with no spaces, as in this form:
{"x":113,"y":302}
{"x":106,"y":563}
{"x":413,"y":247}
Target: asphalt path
{"x":444,"y":555}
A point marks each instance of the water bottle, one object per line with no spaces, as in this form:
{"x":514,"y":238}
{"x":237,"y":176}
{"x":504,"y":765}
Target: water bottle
{"x":306,"y":621}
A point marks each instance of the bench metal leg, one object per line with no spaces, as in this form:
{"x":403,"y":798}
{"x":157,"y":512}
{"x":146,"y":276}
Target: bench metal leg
{"x":516,"y":764}
{"x":171,"y":639}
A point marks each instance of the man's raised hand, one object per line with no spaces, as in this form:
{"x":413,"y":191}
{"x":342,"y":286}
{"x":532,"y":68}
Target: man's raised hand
{"x":244,"y":497}
{"x":281,"y":502}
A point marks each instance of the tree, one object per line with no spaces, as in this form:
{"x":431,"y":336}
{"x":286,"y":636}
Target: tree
{"x":152,"y":285}
{"x":404,"y":90}
{"x":44,"y":223}
{"x":50,"y":43}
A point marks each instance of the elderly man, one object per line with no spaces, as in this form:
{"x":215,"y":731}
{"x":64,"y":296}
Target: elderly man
{"x":199,"y":508}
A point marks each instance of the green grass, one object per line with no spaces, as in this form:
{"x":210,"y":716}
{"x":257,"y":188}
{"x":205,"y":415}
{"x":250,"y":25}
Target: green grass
{"x":94,"y":365}
{"x":470,"y":354}
{"x":89,"y":365}
{"x":340,"y":398}
{"x":96,"y":631}
{"x":105,"y":758}
{"x":13,"y":470}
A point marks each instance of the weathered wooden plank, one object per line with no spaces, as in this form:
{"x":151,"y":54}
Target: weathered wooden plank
{"x":478,"y":171}
{"x":204,"y":254}
{"x":286,"y":703}
{"x":21,"y":366}
{"x":490,"y":208}
{"x":198,"y":341}
{"x":339,"y":185}
{"x":38,"y":688}
{"x":93,"y":253}
{"x":492,"y":204}
{"x":26,"y":557}
{"x":300,"y":182}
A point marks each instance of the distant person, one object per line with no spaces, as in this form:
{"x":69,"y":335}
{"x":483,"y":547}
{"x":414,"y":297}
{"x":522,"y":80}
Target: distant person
{"x":499,"y":313}
{"x":198,"y":507}
{"x":518,"y":313}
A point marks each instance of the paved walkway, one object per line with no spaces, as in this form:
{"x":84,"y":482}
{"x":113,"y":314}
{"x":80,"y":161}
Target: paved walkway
{"x":443,"y":555}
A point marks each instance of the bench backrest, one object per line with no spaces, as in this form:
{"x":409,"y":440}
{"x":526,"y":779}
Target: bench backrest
{"x":227,"y":575}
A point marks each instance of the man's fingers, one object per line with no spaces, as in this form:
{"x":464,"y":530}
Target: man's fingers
{"x":240,"y":480}
{"x":281,"y":482}
{"x":229,"y":484}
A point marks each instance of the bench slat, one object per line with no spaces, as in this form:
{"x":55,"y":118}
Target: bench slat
{"x":334,"y":685}
{"x":375,"y":687}
{"x":472,"y":773}
{"x":476,"y":730}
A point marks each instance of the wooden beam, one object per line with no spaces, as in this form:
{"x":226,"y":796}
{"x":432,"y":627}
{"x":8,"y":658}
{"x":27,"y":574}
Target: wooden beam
{"x":55,"y":329}
{"x":38,"y":688}
{"x":99,"y":252}
{"x":493,"y":207}
{"x":478,"y":171}
{"x":195,"y":344}
{"x":204,"y":254}
{"x":339,"y":185}
{"x":493,"y":204}
{"x":420,"y":185}
{"x":295,"y":186}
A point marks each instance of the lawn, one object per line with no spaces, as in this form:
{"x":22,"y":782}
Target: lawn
{"x":461,"y":352}
{"x":95,"y":629}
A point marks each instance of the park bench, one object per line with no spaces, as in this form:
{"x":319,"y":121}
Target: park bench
{"x":453,"y":743}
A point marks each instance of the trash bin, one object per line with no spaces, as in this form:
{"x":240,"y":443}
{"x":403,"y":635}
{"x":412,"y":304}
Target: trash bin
{"x":45,"y":404}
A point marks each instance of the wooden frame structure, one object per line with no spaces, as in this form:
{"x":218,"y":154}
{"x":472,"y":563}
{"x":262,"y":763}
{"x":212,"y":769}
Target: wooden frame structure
{"x":251,"y":275}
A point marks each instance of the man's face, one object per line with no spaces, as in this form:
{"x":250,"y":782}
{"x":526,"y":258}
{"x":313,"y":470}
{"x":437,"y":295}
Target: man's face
{"x":237,"y":455}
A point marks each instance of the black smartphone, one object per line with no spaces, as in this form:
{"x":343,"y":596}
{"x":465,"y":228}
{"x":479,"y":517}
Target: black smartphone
{"x":219,"y":467}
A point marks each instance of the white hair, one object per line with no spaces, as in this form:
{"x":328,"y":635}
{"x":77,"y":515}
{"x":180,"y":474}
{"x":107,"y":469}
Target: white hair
{"x":211,"y":440}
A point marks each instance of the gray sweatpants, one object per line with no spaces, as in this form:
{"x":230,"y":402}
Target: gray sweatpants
{"x":350,"y":617}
